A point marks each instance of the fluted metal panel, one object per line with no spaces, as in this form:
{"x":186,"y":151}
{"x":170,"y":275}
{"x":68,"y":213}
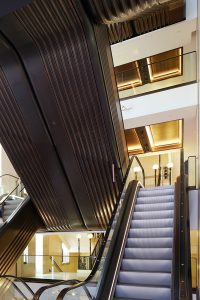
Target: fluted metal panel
{"x":112,"y":92}
{"x":56,"y":43}
{"x":26,"y":141}
{"x":16,"y":234}
{"x":126,"y":19}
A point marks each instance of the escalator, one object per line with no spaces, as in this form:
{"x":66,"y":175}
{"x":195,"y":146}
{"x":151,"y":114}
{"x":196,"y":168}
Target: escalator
{"x":146,"y":252}
{"x":19,"y":221}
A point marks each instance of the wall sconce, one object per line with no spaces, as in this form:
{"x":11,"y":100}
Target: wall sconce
{"x":78,"y":236}
{"x":90,"y":236}
{"x":136,"y":171}
{"x":155,"y":168}
{"x":170,"y":166}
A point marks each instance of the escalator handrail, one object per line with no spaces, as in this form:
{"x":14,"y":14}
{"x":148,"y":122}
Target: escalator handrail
{"x":181,"y":272}
{"x":141,"y":166}
{"x":18,"y":279}
{"x":107,"y":287}
{"x":129,"y":198}
{"x":98,"y":259}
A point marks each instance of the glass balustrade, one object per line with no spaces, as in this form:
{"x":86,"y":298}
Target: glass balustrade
{"x":154,"y":76}
{"x":55,"y":266}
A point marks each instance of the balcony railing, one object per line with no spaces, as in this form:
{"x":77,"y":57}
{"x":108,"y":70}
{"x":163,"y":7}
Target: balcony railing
{"x":151,"y":77}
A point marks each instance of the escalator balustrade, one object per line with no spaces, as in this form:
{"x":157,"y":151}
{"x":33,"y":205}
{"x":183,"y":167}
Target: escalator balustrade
{"x":146,"y":267}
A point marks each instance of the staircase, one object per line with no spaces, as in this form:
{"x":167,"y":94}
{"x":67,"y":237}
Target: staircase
{"x":147,"y":262}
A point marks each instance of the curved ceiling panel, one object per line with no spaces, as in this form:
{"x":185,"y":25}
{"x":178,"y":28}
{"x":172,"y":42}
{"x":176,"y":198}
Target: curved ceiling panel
{"x":30,"y":149}
{"x":128,"y":18}
{"x":115,"y":11}
{"x":57,"y":46}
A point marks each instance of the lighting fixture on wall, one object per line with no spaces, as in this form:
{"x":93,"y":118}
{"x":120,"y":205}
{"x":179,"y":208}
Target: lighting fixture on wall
{"x":78,"y":236}
{"x":155,"y":167}
{"x":136,"y":171}
{"x":170,"y":166}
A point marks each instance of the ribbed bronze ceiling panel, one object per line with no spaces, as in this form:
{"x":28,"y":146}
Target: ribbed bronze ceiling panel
{"x":126,"y":19}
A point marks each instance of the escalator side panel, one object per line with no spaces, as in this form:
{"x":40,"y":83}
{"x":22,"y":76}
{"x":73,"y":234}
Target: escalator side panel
{"x":29,"y":147}
{"x":16,"y":234}
{"x":55,"y":47}
{"x":101,"y":34}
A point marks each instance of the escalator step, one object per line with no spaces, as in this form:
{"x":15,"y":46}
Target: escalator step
{"x":143,"y":292}
{"x":146,"y":265}
{"x":154,"y":207}
{"x":149,"y":242}
{"x":140,"y":215}
{"x":153,"y":192}
{"x":152,"y":223}
{"x":159,"y":199}
{"x":150,"y":232}
{"x":161,"y":187}
{"x":144,"y":278}
{"x":145,"y":253}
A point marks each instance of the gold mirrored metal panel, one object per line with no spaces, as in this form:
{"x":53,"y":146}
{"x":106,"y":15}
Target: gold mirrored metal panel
{"x":133,"y":142}
{"x":128,"y":76}
{"x":165,"y":65}
{"x":161,"y":136}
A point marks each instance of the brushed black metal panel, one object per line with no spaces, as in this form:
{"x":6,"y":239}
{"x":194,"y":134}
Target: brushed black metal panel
{"x":9,"y":6}
{"x":101,"y":34}
{"x":30,"y":149}
{"x":16,"y":234}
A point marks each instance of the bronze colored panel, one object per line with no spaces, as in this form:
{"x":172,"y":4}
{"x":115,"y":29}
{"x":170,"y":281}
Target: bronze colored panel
{"x":165,"y":65}
{"x":128,"y":76}
{"x":167,"y":133}
{"x":126,"y":19}
{"x":144,"y":140}
{"x":133,"y":142}
{"x":16,"y":234}
{"x":57,"y":45}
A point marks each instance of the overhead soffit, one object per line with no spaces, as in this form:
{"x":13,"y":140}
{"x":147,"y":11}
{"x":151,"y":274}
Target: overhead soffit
{"x":161,"y":136}
{"x":151,"y":69}
{"x":127,"y":19}
{"x":133,"y":141}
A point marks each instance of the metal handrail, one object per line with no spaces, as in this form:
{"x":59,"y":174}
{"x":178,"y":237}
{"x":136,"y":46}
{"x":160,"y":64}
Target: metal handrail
{"x":143,"y":172}
{"x":55,"y":263}
{"x":8,"y":195}
{"x":9,"y":175}
{"x":160,"y":61}
{"x":18,"y":279}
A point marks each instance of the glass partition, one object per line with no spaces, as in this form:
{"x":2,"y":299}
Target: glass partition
{"x":55,"y":267}
{"x":155,"y":75}
{"x":8,"y":183}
